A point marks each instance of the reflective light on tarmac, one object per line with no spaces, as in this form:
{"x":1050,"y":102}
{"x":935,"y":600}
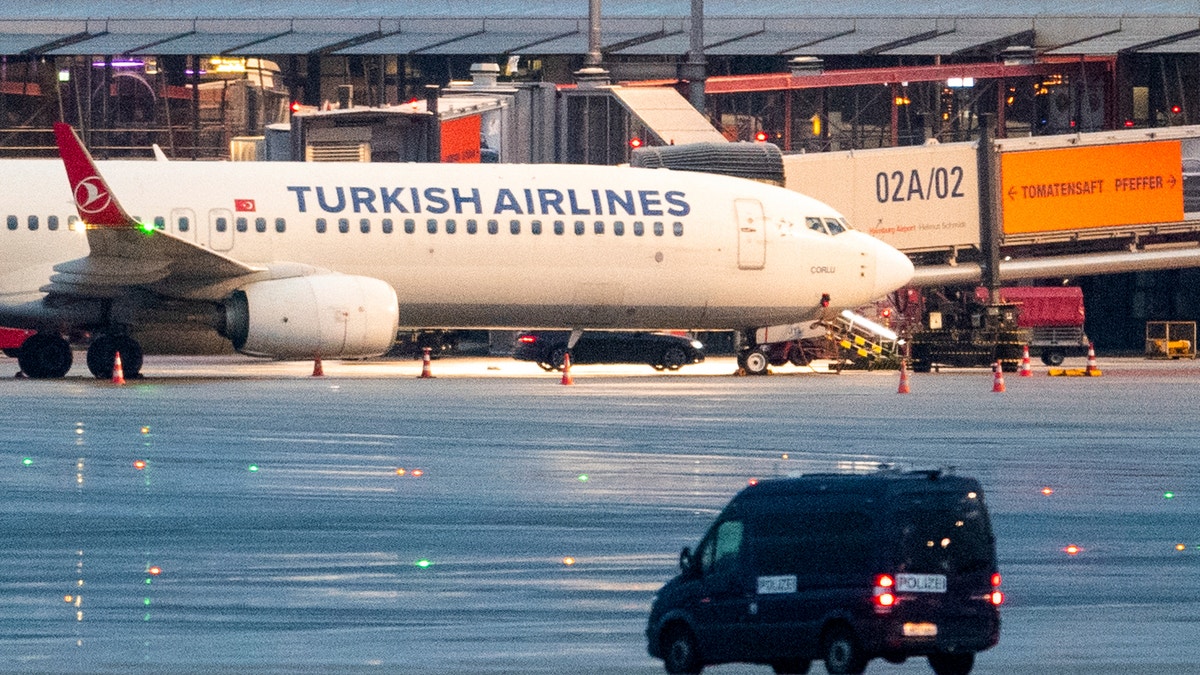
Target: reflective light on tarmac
{"x":568,"y":561}
{"x":1168,"y":495}
{"x":1072,"y":549}
{"x":423,"y":563}
{"x":1047,"y":490}
{"x":139,"y":464}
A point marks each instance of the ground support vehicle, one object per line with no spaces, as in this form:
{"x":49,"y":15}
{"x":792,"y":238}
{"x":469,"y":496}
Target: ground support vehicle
{"x":968,"y":334}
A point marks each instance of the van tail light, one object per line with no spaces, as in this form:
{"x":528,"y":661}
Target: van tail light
{"x":885,"y":591}
{"x":996,"y":596}
{"x":527,"y":339}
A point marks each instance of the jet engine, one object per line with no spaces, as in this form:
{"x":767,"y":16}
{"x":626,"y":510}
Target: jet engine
{"x":328,"y":315}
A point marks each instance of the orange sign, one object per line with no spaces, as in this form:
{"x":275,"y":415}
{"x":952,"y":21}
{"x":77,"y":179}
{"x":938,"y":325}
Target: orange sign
{"x":1092,"y":186}
{"x":460,"y":140}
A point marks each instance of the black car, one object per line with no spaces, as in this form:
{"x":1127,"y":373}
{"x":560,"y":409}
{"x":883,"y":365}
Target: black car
{"x":840,"y":568}
{"x":664,"y":351}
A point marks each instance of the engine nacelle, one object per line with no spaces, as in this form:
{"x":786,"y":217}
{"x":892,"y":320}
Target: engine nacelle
{"x":328,"y":315}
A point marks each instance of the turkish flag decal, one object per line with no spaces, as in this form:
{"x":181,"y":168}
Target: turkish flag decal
{"x":243,"y":205}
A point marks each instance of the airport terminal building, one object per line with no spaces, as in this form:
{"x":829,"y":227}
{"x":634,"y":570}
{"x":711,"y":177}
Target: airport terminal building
{"x":220,"y":80}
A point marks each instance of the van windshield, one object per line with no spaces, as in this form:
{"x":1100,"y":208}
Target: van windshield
{"x":944,"y":533}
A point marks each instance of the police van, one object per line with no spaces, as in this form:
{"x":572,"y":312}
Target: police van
{"x":839,"y":568}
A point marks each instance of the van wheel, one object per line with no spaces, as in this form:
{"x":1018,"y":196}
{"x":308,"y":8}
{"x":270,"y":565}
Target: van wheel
{"x":680,"y":652}
{"x":791,"y":666}
{"x":1053,"y":357}
{"x":756,"y":362}
{"x":952,"y":664}
{"x":843,"y":656}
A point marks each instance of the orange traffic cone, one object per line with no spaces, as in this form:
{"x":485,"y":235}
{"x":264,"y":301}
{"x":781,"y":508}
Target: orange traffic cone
{"x":426,"y":361}
{"x":566,"y":365}
{"x":1026,"y":371}
{"x":998,"y":380}
{"x":118,"y":370}
{"x":1091,"y":362}
{"x":904,"y":388}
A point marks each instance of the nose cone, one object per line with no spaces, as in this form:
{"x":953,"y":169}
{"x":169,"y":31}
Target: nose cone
{"x":893,"y":269}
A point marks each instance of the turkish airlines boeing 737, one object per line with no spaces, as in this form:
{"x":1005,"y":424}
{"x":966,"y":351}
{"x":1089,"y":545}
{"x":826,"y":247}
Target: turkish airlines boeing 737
{"x":296,"y":260}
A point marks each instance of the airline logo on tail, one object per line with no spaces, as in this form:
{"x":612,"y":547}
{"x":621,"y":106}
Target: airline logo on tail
{"x":91,"y":195}
{"x":93,"y":198}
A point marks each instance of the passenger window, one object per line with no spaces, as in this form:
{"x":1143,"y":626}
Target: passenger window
{"x":598,"y":228}
{"x":242,"y":224}
{"x":410,"y":226}
{"x":472,"y":226}
{"x":159,"y":222}
{"x":493,"y":226}
{"x":280,"y":224}
{"x":514,"y":226}
{"x":387,"y":225}
{"x":619,"y":228}
{"x":638,"y":228}
{"x":451,"y":226}
{"x":343,"y":225}
{"x":431,"y":226}
{"x":834,"y":226}
{"x":722,"y":552}
{"x":73,"y":223}
{"x":52,"y":222}
{"x":184,"y":223}
{"x":222,"y":224}
{"x":678,"y":228}
{"x":812,"y":542}
{"x":535,"y":227}
{"x":364,"y":225}
{"x":559,"y":227}
{"x":815,"y":225}
{"x":658,"y":228}
{"x":33,"y":222}
{"x":321,"y":225}
{"x":13,"y":223}
{"x":580,"y":227}
{"x":260,"y":224}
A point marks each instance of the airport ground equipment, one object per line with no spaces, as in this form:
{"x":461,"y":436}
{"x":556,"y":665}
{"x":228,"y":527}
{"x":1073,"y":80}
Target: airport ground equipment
{"x":966,"y":333}
{"x":1171,"y":339}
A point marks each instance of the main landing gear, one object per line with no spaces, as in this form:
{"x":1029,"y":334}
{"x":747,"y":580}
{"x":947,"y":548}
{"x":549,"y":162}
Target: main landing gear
{"x":48,"y":356}
{"x":102,"y":356}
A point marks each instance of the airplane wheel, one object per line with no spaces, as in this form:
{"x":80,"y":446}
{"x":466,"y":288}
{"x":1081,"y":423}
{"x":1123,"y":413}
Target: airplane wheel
{"x":757,"y":362}
{"x":45,"y":356}
{"x":102,"y":354}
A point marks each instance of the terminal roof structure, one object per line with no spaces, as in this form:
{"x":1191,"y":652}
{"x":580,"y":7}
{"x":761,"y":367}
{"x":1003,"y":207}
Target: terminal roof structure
{"x":633,"y":27}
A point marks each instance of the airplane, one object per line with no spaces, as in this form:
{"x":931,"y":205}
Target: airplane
{"x":297,"y":260}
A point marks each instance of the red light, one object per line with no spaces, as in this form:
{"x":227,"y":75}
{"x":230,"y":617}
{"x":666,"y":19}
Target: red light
{"x":154,"y":570}
{"x":1176,"y":109}
{"x":527,"y":339}
{"x":997,"y":598}
{"x":295,"y":106}
{"x":1128,"y":124}
{"x":635,"y":142}
{"x":885,"y":581}
{"x":885,"y":599}
{"x":1072,"y":549}
{"x":760,"y":136}
{"x":753,"y":481}
{"x":887,"y":312}
{"x":996,"y":580}
{"x":139,"y":464}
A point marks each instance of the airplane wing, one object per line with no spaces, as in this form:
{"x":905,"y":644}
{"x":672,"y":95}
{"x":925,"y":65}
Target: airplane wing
{"x":123,"y":252}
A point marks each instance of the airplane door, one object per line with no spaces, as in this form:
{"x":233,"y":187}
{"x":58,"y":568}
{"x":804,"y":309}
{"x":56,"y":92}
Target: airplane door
{"x":183,"y":223}
{"x":752,"y":234}
{"x":220,"y":229}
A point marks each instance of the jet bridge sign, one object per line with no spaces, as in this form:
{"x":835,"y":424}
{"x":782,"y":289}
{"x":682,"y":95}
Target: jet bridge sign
{"x":1080,"y":188}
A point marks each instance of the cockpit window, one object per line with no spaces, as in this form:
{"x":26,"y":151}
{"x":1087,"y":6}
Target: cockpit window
{"x":816,"y":224}
{"x":834,"y":226}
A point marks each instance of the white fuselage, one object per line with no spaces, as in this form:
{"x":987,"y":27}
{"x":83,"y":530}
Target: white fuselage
{"x":517,"y":246}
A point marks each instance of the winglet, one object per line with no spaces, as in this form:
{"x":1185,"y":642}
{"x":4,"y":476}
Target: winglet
{"x":93,"y":198}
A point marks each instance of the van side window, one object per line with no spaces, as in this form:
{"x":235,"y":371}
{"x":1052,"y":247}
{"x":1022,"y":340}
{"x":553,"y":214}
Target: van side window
{"x":723,"y":549}
{"x":815,"y":542}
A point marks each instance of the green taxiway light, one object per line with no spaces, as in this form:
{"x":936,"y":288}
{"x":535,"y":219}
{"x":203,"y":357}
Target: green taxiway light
{"x":423,"y":563}
{"x":28,"y":461}
{"x":252,"y":468}
{"x":1168,"y":495}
